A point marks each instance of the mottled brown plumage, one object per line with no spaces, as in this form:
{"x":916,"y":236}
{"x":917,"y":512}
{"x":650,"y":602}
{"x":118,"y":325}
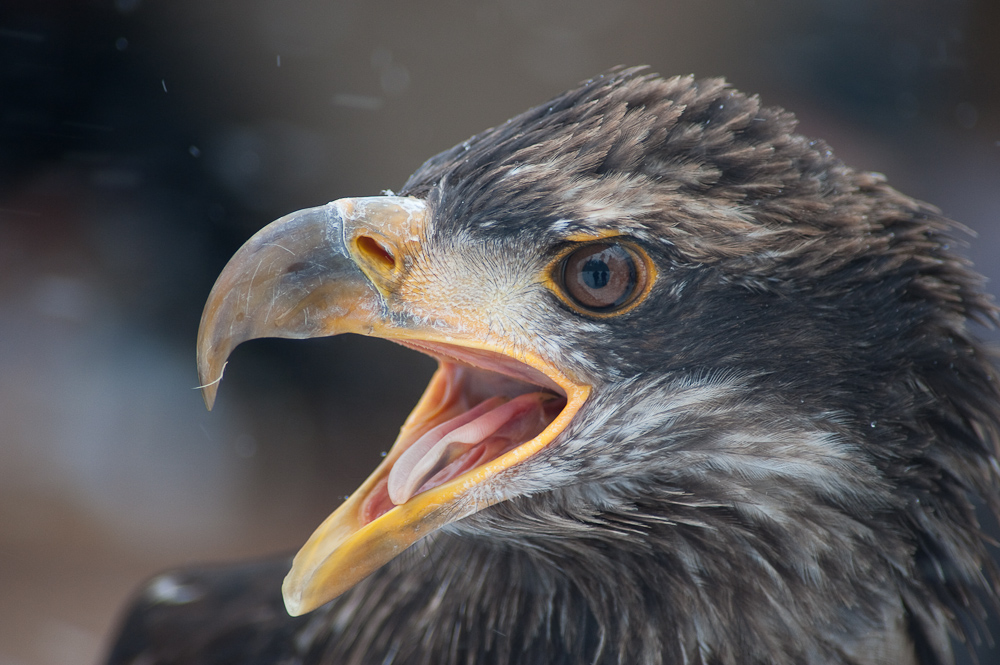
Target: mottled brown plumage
{"x":786,"y":439}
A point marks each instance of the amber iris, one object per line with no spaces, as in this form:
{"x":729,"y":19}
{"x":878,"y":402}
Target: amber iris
{"x":602,"y":277}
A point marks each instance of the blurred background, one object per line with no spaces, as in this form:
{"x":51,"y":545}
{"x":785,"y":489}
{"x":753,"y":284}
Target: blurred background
{"x":142,"y":141}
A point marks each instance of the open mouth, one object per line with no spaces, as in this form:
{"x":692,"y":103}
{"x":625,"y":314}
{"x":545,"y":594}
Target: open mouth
{"x":482,"y":413}
{"x":478,"y":406}
{"x":493,"y":403}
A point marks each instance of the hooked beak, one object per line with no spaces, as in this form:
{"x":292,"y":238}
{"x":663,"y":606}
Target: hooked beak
{"x":337,"y":268}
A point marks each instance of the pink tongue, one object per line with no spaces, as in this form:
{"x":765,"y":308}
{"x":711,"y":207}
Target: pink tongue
{"x":498,"y":422}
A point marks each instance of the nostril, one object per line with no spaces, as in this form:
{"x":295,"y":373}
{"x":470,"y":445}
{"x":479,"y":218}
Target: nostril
{"x":376,"y":251}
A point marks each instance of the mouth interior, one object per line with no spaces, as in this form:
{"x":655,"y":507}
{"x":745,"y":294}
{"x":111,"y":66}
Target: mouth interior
{"x":477,"y":407}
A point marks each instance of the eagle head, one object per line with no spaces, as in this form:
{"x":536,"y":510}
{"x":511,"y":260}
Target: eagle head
{"x":705,"y":394}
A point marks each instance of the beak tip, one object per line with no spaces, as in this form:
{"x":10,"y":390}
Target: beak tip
{"x":209,"y":394}
{"x":293,"y":600}
{"x":209,"y":387}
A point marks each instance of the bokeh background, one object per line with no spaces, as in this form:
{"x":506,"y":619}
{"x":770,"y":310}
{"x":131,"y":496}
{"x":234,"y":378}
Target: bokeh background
{"x":142,"y":141}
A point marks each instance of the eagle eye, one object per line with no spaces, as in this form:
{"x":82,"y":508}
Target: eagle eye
{"x":603,"y":276}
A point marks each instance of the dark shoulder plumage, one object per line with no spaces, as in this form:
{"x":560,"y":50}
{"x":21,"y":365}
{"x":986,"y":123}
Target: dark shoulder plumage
{"x":210,"y":615}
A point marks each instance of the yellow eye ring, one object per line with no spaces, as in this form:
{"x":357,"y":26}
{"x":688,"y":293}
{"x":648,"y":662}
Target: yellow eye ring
{"x":603,"y":278}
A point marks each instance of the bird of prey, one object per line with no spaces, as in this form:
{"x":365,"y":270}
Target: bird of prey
{"x":705,"y":395}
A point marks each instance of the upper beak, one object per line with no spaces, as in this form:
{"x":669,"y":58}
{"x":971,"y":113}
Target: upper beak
{"x":294,"y":278}
{"x":335,"y":269}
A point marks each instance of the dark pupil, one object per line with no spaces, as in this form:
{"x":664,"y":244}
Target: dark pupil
{"x":596,"y":274}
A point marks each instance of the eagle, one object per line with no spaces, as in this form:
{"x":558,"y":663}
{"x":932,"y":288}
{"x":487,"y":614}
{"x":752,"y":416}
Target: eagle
{"x":704,"y":395}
